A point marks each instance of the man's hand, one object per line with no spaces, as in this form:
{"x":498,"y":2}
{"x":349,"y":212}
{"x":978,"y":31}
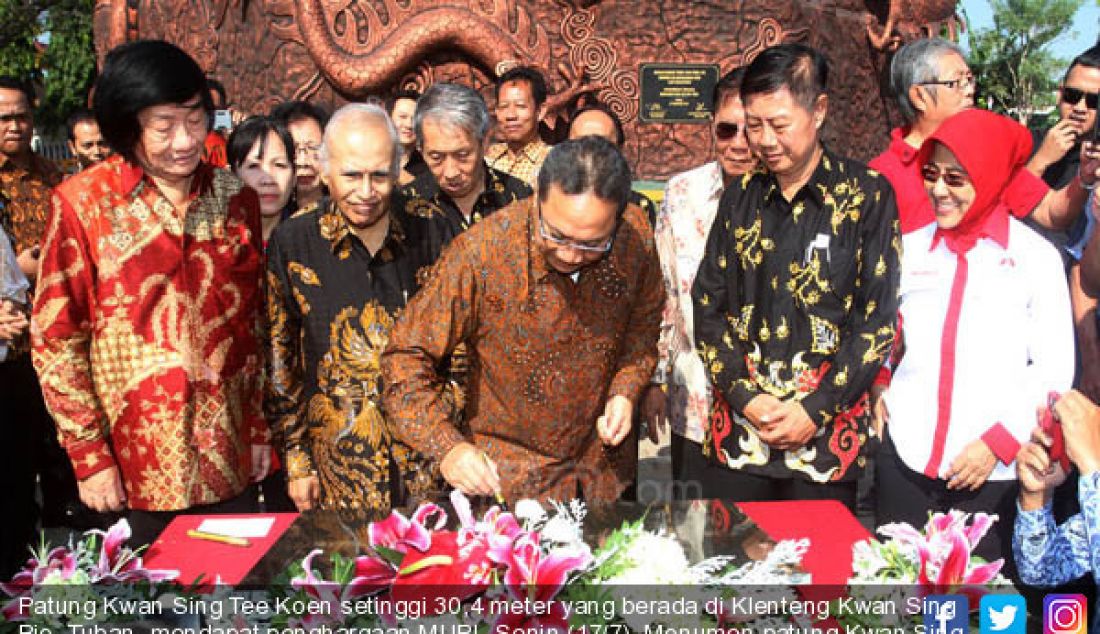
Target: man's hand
{"x":971,"y":468}
{"x":261,"y":462}
{"x":468,"y":469}
{"x":654,"y":411}
{"x":788,"y":426}
{"x":102,"y":492}
{"x":1090,"y":165}
{"x":759,"y":408}
{"x":880,"y":415}
{"x":304,"y":491}
{"x":13,"y":322}
{"x":1058,"y":140}
{"x":614,"y":425}
{"x":1081,"y":428}
{"x":1037,"y":476}
{"x":28,"y":262}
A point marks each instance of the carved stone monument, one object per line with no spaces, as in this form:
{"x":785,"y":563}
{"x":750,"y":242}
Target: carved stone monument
{"x":334,"y":51}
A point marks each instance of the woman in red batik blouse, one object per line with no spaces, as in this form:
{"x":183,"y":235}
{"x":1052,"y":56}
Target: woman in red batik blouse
{"x":147,"y":306}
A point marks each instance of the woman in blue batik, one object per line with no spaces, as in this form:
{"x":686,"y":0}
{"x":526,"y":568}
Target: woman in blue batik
{"x":1046,"y":554}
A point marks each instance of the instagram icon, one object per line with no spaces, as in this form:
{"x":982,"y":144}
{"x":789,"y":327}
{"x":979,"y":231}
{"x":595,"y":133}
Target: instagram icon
{"x":1065,"y":614}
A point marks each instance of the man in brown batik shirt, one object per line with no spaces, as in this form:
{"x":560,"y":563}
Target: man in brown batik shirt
{"x":559,"y":300}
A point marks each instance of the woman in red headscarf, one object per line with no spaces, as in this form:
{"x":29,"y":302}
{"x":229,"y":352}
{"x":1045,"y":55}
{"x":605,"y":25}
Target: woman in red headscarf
{"x":986,"y":335}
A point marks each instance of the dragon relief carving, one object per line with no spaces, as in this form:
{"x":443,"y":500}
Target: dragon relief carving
{"x":364,"y":48}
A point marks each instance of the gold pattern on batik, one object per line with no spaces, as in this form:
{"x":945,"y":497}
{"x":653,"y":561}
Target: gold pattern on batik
{"x":748,"y":244}
{"x":335,"y":229}
{"x":880,"y":267}
{"x":350,"y":440}
{"x":709,"y":355}
{"x":178,"y":320}
{"x":878,"y":345}
{"x":807,"y":282}
{"x":843,"y":203}
{"x":421,"y":207}
{"x":121,"y":360}
{"x":744,"y":321}
{"x":797,"y":210}
{"x":779,"y":379}
{"x":782,"y":331}
{"x":840,"y":379}
{"x":307,"y":275}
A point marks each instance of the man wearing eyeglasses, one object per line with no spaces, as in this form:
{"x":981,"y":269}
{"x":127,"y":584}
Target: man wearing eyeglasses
{"x":932,"y":82}
{"x":680,"y":392}
{"x":559,"y":298}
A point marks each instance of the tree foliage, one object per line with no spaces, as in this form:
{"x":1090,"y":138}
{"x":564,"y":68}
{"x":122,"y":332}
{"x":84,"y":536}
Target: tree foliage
{"x":1016,"y":72}
{"x":69,"y":60}
{"x":64,"y":72}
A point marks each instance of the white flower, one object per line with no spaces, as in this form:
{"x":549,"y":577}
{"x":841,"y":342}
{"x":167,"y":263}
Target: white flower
{"x":654,"y":559}
{"x":561,"y":530}
{"x":530,"y":512}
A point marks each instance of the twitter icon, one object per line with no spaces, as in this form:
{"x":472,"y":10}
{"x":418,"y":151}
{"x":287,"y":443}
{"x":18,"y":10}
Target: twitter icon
{"x":1003,"y":614}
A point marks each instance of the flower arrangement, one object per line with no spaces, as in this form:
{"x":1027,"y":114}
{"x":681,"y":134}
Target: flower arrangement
{"x":516,"y":571}
{"x":936,"y":560}
{"x":99,"y":565}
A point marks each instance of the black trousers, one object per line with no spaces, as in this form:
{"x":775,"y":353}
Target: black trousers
{"x":736,"y":486}
{"x":147,"y":525}
{"x":904,"y":495}
{"x":688,"y":463}
{"x":23,"y":423}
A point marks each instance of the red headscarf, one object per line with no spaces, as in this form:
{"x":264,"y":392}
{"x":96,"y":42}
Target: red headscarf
{"x":992,"y":149}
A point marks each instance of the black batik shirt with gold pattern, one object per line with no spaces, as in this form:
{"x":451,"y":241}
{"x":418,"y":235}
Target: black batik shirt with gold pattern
{"x":798,"y":300}
{"x":422,"y":197}
{"x":330,"y":307}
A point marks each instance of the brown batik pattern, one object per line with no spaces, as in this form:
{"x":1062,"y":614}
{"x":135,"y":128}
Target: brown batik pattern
{"x":545,"y":354}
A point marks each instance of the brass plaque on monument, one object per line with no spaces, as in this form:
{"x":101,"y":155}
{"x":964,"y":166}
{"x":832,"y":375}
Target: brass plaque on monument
{"x":677,"y":93}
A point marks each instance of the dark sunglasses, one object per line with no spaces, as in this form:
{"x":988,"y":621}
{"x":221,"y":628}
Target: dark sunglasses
{"x":1073,"y":96}
{"x":952,"y":178}
{"x":725,"y":131}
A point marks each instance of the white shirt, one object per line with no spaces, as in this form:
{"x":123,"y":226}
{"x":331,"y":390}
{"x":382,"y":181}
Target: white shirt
{"x":683,"y":222}
{"x":1014,"y":344}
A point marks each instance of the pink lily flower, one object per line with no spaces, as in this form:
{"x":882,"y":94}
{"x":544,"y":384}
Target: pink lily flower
{"x":331,"y":593}
{"x":117,"y":563}
{"x":397,"y":532}
{"x":535,"y":574}
{"x":945,"y":552}
{"x":497,"y":529}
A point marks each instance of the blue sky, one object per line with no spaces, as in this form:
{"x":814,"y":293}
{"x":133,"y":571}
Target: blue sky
{"x":1081,"y":36}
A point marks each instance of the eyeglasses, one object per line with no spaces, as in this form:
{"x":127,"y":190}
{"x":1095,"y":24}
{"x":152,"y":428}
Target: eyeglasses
{"x":599,"y":246}
{"x":962,"y":83}
{"x":308,"y":150}
{"x":724,"y":130}
{"x":1073,"y":96}
{"x":951,"y":177}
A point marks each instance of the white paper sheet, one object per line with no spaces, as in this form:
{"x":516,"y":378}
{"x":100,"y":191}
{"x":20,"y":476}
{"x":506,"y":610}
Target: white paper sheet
{"x":250,"y":527}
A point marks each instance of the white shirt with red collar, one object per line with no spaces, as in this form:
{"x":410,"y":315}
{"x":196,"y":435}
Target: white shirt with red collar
{"x":1013,"y":344}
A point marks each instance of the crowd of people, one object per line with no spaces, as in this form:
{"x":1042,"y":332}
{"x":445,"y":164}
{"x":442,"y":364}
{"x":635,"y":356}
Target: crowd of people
{"x":356,"y":311}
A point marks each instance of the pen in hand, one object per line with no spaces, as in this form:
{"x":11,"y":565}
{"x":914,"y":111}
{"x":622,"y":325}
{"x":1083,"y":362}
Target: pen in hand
{"x":496,"y":494}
